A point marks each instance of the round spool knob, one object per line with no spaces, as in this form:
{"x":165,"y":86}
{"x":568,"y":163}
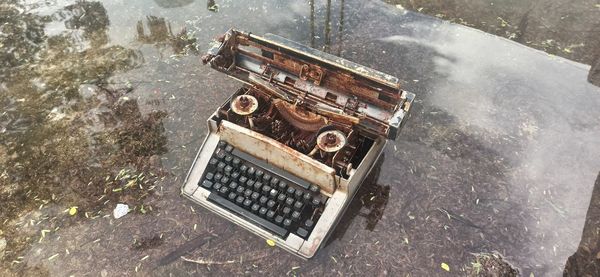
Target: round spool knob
{"x":244,"y":104}
{"x":331,"y":141}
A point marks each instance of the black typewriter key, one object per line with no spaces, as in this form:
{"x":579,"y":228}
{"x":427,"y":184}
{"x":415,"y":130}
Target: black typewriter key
{"x":221,"y":166}
{"x":243,"y":180}
{"x":255,"y":208}
{"x":289,"y":201}
{"x":240,"y":189}
{"x":307,"y":197}
{"x":291,"y":191}
{"x":217,"y":186}
{"x":282,"y":185}
{"x":250,"y":184}
{"x":247,"y":203}
{"x":286,"y":210}
{"x":222,"y":144}
{"x":273,"y":193}
{"x":228,"y":169}
{"x":229,"y":148}
{"x":281,"y":198}
{"x":302,"y":233}
{"x":298,"y":205}
{"x":266,"y":189}
{"x":228,"y":159}
{"x":233,"y":185}
{"x":207,"y":184}
{"x":218,"y":177}
{"x":274,"y":181}
{"x":213,"y":162}
{"x":314,"y":188}
{"x":262,"y":211}
{"x":220,"y":155}
{"x":278,"y":219}
{"x":299,"y":194}
{"x":236,"y":162}
{"x":267,"y":178}
{"x":295,"y":216}
{"x":257,"y":186}
{"x":270,"y":214}
{"x":239,"y":200}
{"x":243,"y":169}
{"x":224,"y":190}
{"x":209,"y":176}
{"x":235,"y":175}
{"x":287,"y":222}
{"x":248,"y":192}
{"x":259,"y":173}
{"x":232,"y":196}
{"x":225,"y":180}
{"x":316,"y":202}
{"x":251,"y":171}
{"x":255,"y":195}
{"x":308,"y":224}
{"x":270,"y":204}
{"x":263,"y":200}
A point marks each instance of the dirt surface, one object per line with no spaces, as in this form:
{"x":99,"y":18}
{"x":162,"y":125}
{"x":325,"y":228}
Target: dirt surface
{"x":106,"y":102}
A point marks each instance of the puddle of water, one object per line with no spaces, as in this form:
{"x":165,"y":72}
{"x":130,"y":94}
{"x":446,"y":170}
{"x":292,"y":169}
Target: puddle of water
{"x":561,"y":27}
{"x":106,"y":103}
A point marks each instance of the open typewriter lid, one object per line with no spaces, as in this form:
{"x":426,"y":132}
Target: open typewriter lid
{"x":347,"y":92}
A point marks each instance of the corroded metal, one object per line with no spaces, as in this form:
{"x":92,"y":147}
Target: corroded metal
{"x":322,"y":83}
{"x":244,"y":104}
{"x":331,"y":141}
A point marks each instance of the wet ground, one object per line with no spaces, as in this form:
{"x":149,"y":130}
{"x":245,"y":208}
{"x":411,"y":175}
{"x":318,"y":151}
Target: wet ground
{"x":566,"y":28}
{"x":105,"y":103}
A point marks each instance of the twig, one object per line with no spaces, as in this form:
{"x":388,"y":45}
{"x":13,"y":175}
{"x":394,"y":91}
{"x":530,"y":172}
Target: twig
{"x":203,"y":262}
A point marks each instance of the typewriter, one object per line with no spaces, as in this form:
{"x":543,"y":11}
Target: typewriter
{"x":286,"y":153}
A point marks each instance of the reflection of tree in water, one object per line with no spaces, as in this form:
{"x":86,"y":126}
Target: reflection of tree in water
{"x":67,"y":136}
{"x":91,"y":18}
{"x":161,"y":35}
{"x":21,"y":36}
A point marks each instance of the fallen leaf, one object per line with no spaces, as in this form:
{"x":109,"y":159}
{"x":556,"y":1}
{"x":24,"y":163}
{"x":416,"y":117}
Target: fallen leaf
{"x":445,"y":267}
{"x":270,"y":242}
{"x":73,"y":210}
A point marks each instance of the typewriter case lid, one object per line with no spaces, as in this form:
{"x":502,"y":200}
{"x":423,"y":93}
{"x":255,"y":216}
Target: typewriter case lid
{"x":345,"y":92}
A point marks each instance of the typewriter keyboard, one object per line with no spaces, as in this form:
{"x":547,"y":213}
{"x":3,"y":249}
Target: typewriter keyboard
{"x":262,"y":194}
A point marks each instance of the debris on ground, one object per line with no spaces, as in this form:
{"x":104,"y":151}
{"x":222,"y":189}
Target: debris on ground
{"x":487,"y":264}
{"x":120,"y":210}
{"x":2,"y":247}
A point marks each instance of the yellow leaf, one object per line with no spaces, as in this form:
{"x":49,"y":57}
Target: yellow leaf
{"x":445,"y":266}
{"x":270,"y":242}
{"x":73,"y":210}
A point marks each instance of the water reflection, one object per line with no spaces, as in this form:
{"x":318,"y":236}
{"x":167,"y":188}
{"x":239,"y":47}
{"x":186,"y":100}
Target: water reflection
{"x":68,"y":137}
{"x":369,"y":203}
{"x":327,"y":28}
{"x":586,"y":261}
{"x":169,"y":4}
{"x":158,"y":31}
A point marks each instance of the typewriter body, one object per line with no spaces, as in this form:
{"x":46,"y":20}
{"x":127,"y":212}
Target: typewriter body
{"x":286,"y":153}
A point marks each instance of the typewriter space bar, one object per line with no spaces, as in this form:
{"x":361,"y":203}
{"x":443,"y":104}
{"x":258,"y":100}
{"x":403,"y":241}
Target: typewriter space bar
{"x":247,"y":215}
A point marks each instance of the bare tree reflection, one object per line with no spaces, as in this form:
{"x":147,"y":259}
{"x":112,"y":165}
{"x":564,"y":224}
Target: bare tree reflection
{"x":158,"y":31}
{"x":62,"y":132}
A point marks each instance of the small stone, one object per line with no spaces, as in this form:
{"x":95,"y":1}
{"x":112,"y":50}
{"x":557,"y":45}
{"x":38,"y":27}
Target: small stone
{"x":104,"y":273}
{"x":120,"y":210}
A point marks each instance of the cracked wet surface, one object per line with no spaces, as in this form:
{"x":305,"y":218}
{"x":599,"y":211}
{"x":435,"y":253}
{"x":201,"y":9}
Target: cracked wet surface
{"x":105,"y":103}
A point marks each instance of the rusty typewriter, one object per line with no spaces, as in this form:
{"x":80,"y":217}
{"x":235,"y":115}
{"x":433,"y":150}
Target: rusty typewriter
{"x":286,"y":153}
